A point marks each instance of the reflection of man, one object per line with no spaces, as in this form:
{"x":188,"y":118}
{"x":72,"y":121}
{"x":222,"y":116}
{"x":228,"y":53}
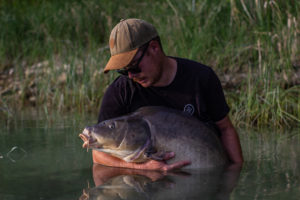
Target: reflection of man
{"x":150,"y":78}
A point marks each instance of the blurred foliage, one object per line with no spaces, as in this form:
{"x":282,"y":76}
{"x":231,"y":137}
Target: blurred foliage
{"x":52,"y":52}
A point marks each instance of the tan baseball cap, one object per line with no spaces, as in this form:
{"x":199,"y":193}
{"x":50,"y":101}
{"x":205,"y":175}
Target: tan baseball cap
{"x":125,"y":39}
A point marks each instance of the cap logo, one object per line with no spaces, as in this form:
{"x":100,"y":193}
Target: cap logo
{"x":189,"y":109}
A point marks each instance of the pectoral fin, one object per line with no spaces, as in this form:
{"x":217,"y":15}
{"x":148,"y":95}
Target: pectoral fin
{"x":157,"y":156}
{"x":139,"y":154}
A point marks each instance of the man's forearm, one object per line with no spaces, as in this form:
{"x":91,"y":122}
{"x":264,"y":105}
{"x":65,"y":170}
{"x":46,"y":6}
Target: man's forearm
{"x":232,"y":145}
{"x":108,"y":160}
{"x":230,"y":140}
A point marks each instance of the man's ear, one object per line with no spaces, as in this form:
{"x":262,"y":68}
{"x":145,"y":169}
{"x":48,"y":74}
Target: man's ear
{"x":154,"y":46}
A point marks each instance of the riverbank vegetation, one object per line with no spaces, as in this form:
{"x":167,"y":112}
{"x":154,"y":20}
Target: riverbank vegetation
{"x":52,"y":53}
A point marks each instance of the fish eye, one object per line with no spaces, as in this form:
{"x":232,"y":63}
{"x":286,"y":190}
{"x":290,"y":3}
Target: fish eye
{"x":111,"y":126}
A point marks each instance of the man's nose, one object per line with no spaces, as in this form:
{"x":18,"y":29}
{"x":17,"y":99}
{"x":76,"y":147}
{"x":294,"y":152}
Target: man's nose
{"x":130,"y":75}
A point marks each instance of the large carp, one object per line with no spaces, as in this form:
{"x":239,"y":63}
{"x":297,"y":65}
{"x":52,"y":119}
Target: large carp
{"x":151,"y":131}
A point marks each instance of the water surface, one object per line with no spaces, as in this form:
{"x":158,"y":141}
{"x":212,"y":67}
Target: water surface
{"x":41,"y":158}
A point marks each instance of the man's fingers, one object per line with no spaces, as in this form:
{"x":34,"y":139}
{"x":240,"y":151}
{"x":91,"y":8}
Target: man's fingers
{"x":169,"y":155}
{"x":176,"y":165}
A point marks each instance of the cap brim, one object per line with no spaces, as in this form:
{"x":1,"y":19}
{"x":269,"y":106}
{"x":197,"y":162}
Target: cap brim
{"x":120,"y":60}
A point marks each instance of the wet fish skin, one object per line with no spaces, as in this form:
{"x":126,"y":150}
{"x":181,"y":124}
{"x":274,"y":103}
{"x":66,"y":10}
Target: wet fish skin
{"x":153,"y":130}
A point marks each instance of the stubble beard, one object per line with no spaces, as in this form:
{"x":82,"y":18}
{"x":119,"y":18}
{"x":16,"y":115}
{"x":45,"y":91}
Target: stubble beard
{"x":154,"y":79}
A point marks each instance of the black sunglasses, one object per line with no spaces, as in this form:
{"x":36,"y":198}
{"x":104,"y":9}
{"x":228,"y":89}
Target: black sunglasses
{"x":133,"y":69}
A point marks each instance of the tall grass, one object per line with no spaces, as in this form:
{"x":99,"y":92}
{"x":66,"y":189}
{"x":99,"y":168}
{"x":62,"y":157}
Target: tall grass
{"x":56,"y":51}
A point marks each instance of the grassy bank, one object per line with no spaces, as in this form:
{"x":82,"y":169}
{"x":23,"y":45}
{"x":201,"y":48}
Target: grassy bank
{"x":52,"y":53}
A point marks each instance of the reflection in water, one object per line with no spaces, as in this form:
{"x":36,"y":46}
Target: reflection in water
{"x":56,"y":167}
{"x":117,"y":183}
{"x":16,"y":154}
{"x":272,"y":167}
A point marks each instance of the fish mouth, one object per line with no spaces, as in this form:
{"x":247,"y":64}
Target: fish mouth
{"x":88,"y":142}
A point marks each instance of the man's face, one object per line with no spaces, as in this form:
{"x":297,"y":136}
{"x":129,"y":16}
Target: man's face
{"x":149,"y":65}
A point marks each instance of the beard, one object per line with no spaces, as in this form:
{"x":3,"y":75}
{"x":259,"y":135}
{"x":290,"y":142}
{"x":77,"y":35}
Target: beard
{"x":151,"y":79}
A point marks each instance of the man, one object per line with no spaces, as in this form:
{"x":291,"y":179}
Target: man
{"x":150,"y":78}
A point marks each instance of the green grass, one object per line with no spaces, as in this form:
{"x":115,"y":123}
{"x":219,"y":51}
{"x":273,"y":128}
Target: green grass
{"x":56,"y":51}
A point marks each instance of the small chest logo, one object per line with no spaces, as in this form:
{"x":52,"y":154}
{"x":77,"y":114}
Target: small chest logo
{"x":189,"y":109}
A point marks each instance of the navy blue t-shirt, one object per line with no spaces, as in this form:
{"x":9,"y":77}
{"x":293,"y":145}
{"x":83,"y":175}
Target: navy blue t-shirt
{"x":195,"y":89}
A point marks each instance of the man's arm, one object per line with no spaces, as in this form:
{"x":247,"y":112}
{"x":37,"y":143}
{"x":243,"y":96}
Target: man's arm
{"x":230,"y":140}
{"x":108,"y":160}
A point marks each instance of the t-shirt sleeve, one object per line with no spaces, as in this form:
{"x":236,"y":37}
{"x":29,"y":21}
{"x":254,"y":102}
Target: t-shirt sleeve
{"x":216,"y":102}
{"x":113,"y":103}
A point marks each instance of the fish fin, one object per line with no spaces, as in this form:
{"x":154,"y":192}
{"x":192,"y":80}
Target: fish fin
{"x":139,"y":154}
{"x":157,"y":156}
{"x":151,"y":150}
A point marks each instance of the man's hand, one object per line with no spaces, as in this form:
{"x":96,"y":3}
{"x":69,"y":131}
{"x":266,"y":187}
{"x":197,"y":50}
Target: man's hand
{"x":108,"y":160}
{"x":162,"y":165}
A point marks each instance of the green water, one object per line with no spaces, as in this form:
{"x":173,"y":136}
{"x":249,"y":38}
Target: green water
{"x":42,"y":158}
{"x":48,"y":162}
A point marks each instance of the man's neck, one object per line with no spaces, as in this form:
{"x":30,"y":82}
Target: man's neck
{"x":169,"y":69}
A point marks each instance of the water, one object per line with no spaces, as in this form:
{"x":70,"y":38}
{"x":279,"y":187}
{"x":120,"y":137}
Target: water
{"x":42,"y":158}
